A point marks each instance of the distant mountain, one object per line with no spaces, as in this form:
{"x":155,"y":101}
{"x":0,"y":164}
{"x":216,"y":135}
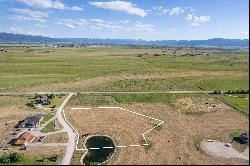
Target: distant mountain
{"x":217,"y":42}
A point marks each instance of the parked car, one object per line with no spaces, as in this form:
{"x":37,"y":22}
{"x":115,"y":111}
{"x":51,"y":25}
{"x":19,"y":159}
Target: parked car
{"x":6,"y":148}
{"x":227,"y":145}
{"x":30,"y":129}
{"x":40,"y":139}
{"x":209,"y":140}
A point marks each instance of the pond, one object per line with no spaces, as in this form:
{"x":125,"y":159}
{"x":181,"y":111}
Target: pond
{"x":95,"y":156}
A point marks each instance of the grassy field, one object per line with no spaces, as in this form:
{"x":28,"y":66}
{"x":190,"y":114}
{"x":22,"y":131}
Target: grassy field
{"x":188,"y":119}
{"x":28,"y":69}
{"x":239,"y":100}
{"x":37,"y":156}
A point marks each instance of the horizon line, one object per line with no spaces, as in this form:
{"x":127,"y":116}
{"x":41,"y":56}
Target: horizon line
{"x":125,"y":38}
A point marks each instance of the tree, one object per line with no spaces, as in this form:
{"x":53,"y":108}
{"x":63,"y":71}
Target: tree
{"x":16,"y":157}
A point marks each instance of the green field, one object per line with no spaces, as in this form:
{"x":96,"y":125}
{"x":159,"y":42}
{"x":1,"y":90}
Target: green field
{"x":118,"y":68}
{"x":241,"y":101}
{"x":49,"y":127}
{"x":29,"y":67}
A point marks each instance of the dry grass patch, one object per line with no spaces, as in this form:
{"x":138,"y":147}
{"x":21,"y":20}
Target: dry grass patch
{"x":125,"y":127}
{"x":176,"y":142}
{"x":56,"y":138}
{"x":194,"y":105}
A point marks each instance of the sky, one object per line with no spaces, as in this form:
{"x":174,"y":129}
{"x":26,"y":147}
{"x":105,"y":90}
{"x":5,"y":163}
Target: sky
{"x":127,"y":19}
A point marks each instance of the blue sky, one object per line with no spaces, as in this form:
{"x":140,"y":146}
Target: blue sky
{"x":134,"y":19}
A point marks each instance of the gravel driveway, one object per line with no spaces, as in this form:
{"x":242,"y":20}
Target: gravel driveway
{"x":218,"y":149}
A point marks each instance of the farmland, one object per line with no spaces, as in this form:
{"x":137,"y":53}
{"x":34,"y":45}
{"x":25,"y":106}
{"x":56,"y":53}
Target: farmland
{"x":187,"y":121}
{"x":188,"y":118}
{"x":119,"y":68}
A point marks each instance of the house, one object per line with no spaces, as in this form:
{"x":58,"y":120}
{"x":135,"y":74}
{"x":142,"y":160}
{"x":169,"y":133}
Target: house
{"x":42,"y":100}
{"x":31,"y":121}
{"x":244,"y":138}
{"x":25,"y":138}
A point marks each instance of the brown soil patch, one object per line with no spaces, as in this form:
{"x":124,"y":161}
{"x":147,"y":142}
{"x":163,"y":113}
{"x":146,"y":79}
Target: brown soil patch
{"x":199,"y":105}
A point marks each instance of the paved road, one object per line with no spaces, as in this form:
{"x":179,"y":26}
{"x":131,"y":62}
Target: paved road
{"x":71,"y":134}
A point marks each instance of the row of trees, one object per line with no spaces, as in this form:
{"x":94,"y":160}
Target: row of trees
{"x":242,"y":91}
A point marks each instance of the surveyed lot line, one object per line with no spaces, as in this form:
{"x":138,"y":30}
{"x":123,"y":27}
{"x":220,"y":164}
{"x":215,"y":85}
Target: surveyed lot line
{"x":118,"y":146}
{"x":80,"y":108}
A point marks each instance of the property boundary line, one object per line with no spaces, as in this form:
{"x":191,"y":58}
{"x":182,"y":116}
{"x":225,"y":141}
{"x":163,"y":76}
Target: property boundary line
{"x":117,"y":146}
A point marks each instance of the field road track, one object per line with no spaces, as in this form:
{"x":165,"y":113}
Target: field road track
{"x":112,"y":92}
{"x":71,"y":134}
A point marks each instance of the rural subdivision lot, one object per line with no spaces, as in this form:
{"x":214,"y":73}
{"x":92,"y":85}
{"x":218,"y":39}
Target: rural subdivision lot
{"x":83,"y":82}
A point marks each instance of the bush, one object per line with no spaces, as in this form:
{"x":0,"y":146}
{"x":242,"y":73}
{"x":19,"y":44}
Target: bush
{"x":53,"y":158}
{"x":51,"y":96}
{"x":16,"y":157}
{"x":11,"y":158}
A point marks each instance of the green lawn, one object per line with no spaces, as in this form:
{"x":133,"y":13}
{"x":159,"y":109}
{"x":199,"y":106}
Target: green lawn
{"x":241,"y":100}
{"x":49,"y":127}
{"x":47,"y":117}
{"x":56,"y":101}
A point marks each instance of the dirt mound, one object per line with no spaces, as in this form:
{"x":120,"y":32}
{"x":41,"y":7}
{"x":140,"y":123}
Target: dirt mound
{"x":194,"y":105}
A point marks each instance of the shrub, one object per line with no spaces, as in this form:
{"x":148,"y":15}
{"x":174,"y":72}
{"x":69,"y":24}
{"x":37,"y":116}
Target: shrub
{"x":53,"y":158}
{"x":16,"y":157}
{"x":11,"y":158}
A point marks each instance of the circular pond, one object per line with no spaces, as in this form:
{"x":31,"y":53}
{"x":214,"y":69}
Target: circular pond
{"x":98,"y":154}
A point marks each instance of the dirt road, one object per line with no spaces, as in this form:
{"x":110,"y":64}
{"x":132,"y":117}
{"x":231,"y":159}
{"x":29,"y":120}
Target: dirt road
{"x":71,"y":134}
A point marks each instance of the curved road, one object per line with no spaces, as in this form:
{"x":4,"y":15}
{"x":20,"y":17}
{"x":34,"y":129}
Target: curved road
{"x":71,"y":134}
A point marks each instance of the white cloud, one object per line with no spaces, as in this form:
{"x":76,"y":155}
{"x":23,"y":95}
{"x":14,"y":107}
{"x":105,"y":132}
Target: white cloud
{"x":124,"y":21}
{"x":159,"y":10}
{"x":189,"y":17}
{"x":19,"y":30}
{"x":76,"y":8}
{"x":27,"y":14}
{"x":79,"y":23}
{"x":176,"y":11}
{"x":195,"y":20}
{"x":141,"y":27}
{"x":44,"y":4}
{"x":191,"y":9}
{"x":124,"y":6}
{"x":100,"y":24}
{"x":50,"y":4}
{"x":243,"y":33}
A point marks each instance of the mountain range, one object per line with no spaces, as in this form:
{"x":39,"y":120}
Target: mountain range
{"x":216,"y":42}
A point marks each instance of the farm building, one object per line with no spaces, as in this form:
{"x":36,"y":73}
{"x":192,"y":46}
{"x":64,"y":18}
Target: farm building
{"x":25,"y":138}
{"x":42,"y":100}
{"x":31,"y":121}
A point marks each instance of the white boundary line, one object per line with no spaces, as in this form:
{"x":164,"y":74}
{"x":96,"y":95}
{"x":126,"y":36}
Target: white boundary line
{"x":119,"y":146}
{"x":80,"y":108}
